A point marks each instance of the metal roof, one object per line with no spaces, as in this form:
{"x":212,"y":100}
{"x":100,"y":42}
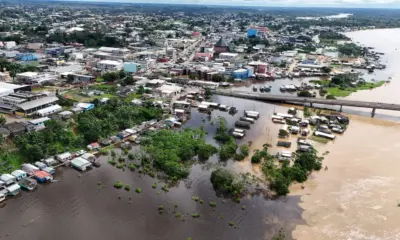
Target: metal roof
{"x":38,"y":102}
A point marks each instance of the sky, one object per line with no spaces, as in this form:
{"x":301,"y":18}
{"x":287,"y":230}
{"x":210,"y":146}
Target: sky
{"x":283,"y":3}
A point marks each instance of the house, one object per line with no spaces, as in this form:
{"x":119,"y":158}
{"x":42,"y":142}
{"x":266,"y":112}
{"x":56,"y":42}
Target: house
{"x":19,"y":174}
{"x":49,"y":110}
{"x":74,"y":78}
{"x":88,"y":156}
{"x":30,"y":107}
{"x":50,"y":161}
{"x":63,"y":157}
{"x":109,"y":65}
{"x":29,"y":168}
{"x":85,"y":106}
{"x":81,"y":163}
{"x":93,"y":146}
{"x":65,"y":114}
{"x":221,"y":46}
{"x":13,"y":189}
{"x":15,"y":128}
{"x":42,"y":176}
{"x":39,"y":123}
{"x":8,"y":178}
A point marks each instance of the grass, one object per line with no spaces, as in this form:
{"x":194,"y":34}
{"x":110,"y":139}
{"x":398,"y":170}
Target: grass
{"x":75,"y":95}
{"x":319,"y":139}
{"x":10,"y":161}
{"x":337,"y":92}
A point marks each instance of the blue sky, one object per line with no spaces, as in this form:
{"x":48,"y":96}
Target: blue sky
{"x":288,"y":3}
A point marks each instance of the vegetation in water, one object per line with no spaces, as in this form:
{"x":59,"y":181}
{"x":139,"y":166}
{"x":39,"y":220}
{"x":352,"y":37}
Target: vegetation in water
{"x":154,"y":185}
{"x":118,"y":185}
{"x":170,"y":151}
{"x":195,"y":215}
{"x":227,"y":142}
{"x":231,"y":223}
{"x":212,"y":204}
{"x":138,"y":190}
{"x":282,"y":176}
{"x":127,"y":187}
{"x":226,"y":182}
{"x":131,"y":167}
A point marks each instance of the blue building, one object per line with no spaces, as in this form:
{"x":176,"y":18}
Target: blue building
{"x":26,"y":57}
{"x":132,"y":67}
{"x":240,"y":74}
{"x":252,"y":33}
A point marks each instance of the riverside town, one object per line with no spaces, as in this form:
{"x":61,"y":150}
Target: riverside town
{"x":195,"y":121}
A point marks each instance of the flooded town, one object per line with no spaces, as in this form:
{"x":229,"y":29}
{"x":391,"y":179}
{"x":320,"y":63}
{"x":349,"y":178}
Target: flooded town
{"x":148,"y":121}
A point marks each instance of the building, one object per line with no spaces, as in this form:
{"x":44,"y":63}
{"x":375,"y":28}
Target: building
{"x":15,"y":128}
{"x":49,"y":110}
{"x":28,"y":108}
{"x":80,"y":78}
{"x":228,"y":56}
{"x":85,"y":106}
{"x":39,"y":122}
{"x":109,"y":65}
{"x":221,"y":46}
{"x":132,"y":67}
{"x":81,"y":163}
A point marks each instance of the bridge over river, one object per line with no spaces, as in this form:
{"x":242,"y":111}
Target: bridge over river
{"x":311,"y":101}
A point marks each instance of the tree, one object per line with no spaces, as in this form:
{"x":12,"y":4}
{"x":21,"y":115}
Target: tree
{"x":304,"y":94}
{"x":70,"y":78}
{"x":128,"y":80}
{"x":205,"y":151}
{"x":326,"y":69}
{"x":35,"y":152}
{"x":122,"y":74}
{"x":218,"y":78}
{"x":207,"y":93}
{"x":2,"y":120}
{"x":226,"y":182}
{"x":280,"y":185}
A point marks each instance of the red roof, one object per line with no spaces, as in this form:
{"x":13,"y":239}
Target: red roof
{"x":42,"y":174}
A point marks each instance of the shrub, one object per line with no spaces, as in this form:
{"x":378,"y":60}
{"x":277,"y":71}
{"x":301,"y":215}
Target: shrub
{"x":118,"y":185}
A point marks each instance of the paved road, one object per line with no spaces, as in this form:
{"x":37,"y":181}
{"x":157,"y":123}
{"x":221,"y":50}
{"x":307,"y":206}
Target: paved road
{"x":279,"y":98}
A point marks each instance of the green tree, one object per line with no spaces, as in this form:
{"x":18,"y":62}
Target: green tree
{"x":226,"y":182}
{"x":2,"y":120}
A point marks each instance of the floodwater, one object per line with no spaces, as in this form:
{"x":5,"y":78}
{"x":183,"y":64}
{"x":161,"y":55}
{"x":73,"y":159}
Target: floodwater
{"x":357,"y":198}
{"x":77,"y":207}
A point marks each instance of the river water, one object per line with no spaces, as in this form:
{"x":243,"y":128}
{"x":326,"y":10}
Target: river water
{"x":355,"y":199}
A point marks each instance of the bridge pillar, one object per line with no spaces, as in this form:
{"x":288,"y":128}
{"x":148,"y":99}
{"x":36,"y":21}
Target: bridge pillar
{"x":373,"y":112}
{"x":341,"y":106}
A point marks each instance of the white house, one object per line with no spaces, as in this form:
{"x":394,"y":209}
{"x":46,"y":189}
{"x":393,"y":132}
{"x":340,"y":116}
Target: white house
{"x":109,"y":65}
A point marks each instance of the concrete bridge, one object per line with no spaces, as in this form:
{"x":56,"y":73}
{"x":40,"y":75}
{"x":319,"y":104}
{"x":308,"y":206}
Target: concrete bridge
{"x":311,"y":101}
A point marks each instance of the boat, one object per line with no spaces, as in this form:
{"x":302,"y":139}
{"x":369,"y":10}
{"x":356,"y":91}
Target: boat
{"x":28,"y":183}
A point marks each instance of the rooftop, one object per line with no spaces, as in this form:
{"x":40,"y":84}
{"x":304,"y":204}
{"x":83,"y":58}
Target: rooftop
{"x":38,"y":102}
